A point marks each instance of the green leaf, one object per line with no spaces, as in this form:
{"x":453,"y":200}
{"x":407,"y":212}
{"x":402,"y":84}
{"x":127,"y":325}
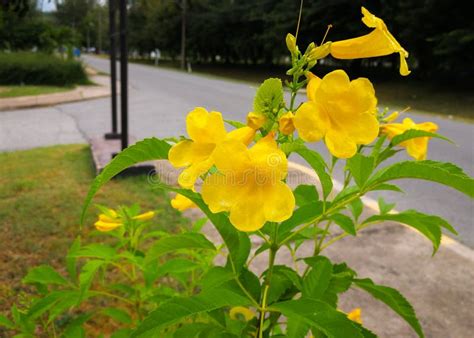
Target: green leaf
{"x":118,"y":315}
{"x":301,"y":215}
{"x":394,"y":300}
{"x":317,"y":163}
{"x":269,"y":97}
{"x":361,"y":167}
{"x":439,"y":172}
{"x":237,"y":242}
{"x":387,"y":187}
{"x":44,"y":274}
{"x":317,"y":279}
{"x":146,"y":150}
{"x":385,"y":207}
{"x":215,"y":277}
{"x":333,"y":323}
{"x":428,"y":225}
{"x":345,"y":222}
{"x":297,"y":327}
{"x":357,"y":206}
{"x":71,"y":259}
{"x":341,"y":280}
{"x":87,"y":274}
{"x":5,"y":322}
{"x":44,"y":304}
{"x":177,"y":309}
{"x":413,"y":133}
{"x":190,"y":240}
{"x":305,"y":194}
{"x":235,"y":124}
{"x":177,"y":265}
{"x":96,"y":250}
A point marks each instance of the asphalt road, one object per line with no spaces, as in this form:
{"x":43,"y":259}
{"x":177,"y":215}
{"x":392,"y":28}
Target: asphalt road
{"x":159,"y":100}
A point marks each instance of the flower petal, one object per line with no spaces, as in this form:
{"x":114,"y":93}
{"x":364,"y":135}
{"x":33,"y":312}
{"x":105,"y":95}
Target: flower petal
{"x":187,"y":152}
{"x":189,"y":176}
{"x":247,"y":214}
{"x":182,"y":203}
{"x":145,"y":216}
{"x":340,"y":144}
{"x":204,"y":127}
{"x":279,"y":202}
{"x":269,"y":163}
{"x":311,"y":121}
{"x":244,"y":135}
{"x":220,"y":191}
{"x":231,"y":156}
{"x":312,"y":86}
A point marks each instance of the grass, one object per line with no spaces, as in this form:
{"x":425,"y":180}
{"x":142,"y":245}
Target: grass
{"x":391,"y":89}
{"x":41,"y":195}
{"x":17,"y":91}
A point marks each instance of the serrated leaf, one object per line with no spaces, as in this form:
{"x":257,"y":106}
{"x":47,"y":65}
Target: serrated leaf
{"x":428,"y":225}
{"x":215,"y":277}
{"x":237,"y":242}
{"x":356,"y":207}
{"x":413,"y":133}
{"x":87,"y":274}
{"x":177,"y":309}
{"x":333,"y":323}
{"x":148,"y":149}
{"x":190,"y":240}
{"x":439,"y":172}
{"x":394,"y":299}
{"x":345,"y":222}
{"x":71,"y":259}
{"x":317,"y":163}
{"x":269,"y":96}
{"x":96,"y":250}
{"x":118,"y":315}
{"x":44,"y":274}
{"x":305,"y":194}
{"x":44,"y":304}
{"x":361,"y":167}
{"x":387,"y":187}
{"x":317,"y":279}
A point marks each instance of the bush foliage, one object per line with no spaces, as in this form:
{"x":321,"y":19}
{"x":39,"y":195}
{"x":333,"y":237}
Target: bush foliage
{"x":39,"y":69}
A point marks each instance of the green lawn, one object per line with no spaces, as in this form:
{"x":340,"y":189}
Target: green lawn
{"x":41,"y":195}
{"x":16,"y":91}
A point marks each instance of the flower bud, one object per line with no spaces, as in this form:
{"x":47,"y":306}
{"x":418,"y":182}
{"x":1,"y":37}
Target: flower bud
{"x":392,"y":117}
{"x":255,"y":121}
{"x":291,"y":43}
{"x":320,"y":52}
{"x":285,"y":124}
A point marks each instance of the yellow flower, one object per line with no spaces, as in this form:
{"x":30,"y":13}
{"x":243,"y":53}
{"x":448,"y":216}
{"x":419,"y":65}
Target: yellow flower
{"x":285,"y":123}
{"x":355,"y":315}
{"x":255,"y":121}
{"x":249,"y":184}
{"x":109,"y":221}
{"x":145,"y":216}
{"x":205,"y":131}
{"x":237,"y":311}
{"x":320,"y":52}
{"x":182,"y":203}
{"x":340,"y":111}
{"x":416,"y":147}
{"x":379,"y":42}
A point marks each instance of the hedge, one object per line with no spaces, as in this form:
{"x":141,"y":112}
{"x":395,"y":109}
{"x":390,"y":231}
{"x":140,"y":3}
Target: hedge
{"x":39,"y":69}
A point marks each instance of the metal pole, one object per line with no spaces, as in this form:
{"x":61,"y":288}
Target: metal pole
{"x":183,"y":33}
{"x":123,"y":73}
{"x":113,"y":65}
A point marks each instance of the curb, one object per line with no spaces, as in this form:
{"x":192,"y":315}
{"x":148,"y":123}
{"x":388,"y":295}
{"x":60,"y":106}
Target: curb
{"x":372,"y":204}
{"x":80,"y":93}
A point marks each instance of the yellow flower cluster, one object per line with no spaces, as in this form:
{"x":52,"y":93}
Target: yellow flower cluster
{"x":248,"y":181}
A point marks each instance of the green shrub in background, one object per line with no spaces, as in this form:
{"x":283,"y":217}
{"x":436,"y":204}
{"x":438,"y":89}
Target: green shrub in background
{"x":39,"y":69}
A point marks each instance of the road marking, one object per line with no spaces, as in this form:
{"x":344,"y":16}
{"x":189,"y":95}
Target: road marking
{"x":446,"y":241}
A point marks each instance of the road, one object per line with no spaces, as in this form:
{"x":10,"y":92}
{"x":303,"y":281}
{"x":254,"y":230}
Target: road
{"x":159,"y":100}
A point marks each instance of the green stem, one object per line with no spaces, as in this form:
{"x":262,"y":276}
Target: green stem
{"x":111,"y":295}
{"x":341,"y":236}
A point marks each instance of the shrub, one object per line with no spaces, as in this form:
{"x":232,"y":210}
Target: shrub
{"x":39,"y":69}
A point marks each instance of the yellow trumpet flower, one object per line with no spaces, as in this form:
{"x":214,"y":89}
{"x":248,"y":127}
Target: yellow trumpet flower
{"x":182,"y":203}
{"x":250,"y":185}
{"x":205,"y":130}
{"x":416,"y":147}
{"x":379,"y":42}
{"x":285,"y":123}
{"x":340,"y":111}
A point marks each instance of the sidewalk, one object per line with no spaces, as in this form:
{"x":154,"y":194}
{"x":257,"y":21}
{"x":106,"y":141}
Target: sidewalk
{"x":79,"y":93}
{"x":440,"y":288}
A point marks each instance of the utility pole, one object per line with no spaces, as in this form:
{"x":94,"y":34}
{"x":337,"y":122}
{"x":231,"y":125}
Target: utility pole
{"x":113,"y":68}
{"x":183,"y":33}
{"x":123,"y":73}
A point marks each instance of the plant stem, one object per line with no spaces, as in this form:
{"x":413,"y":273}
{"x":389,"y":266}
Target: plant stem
{"x":263,"y":305}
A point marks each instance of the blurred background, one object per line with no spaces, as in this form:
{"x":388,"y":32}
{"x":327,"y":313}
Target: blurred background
{"x":243,"y":39}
